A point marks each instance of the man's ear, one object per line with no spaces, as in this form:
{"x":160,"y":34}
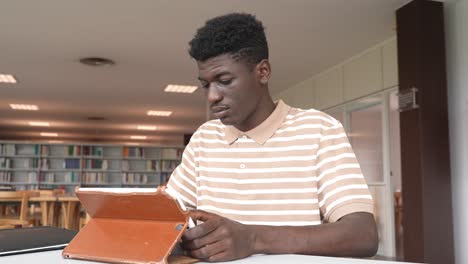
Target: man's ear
{"x":263,"y":70}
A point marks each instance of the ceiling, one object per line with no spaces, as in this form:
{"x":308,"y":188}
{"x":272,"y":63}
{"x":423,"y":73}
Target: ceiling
{"x":42,"y":41}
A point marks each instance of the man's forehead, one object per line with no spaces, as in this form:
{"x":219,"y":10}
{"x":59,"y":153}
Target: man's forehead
{"x":215,"y":66}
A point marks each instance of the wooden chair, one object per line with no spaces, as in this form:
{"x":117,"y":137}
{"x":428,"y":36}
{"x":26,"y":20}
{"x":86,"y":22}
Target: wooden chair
{"x":20,"y":197}
{"x":13,"y":223}
{"x":47,"y":213}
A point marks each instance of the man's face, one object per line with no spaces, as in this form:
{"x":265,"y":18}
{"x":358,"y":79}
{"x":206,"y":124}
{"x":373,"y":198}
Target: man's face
{"x":233,"y":90}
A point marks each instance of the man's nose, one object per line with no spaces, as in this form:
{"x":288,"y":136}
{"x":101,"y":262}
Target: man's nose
{"x":213,"y":94}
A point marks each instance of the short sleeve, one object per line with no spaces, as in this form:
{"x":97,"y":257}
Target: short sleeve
{"x":342,"y":189}
{"x":183,"y":179}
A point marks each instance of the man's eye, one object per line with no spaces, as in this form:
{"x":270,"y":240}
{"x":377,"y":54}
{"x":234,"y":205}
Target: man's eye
{"x":225,"y":82}
{"x":205,"y":85}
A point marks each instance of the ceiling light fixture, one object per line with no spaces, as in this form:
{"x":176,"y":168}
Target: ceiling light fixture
{"x":138,"y":137}
{"x":147,"y":128}
{"x":7,"y":78}
{"x":159,"y":113}
{"x":172,"y":88}
{"x":46,"y":134}
{"x":43,"y":124}
{"x":24,"y":107}
{"x":55,"y":141}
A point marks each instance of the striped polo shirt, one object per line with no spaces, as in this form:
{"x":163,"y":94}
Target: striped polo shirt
{"x":296,"y":168}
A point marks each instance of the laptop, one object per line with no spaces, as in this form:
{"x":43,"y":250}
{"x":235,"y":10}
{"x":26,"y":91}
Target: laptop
{"x":33,"y":239}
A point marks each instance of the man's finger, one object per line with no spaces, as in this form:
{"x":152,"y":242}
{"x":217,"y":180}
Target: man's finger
{"x":200,"y":242}
{"x":209,"y":250}
{"x":201,"y":215}
{"x":200,"y":230}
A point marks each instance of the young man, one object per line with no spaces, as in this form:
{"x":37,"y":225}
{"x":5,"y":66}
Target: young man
{"x":265,"y":177}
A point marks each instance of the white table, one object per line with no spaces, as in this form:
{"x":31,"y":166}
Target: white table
{"x":53,"y":257}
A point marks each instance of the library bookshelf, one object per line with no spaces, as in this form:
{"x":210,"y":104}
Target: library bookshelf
{"x":31,"y":166}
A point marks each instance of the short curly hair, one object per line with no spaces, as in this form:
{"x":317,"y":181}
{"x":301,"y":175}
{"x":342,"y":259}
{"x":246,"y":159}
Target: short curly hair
{"x":238,"y":34}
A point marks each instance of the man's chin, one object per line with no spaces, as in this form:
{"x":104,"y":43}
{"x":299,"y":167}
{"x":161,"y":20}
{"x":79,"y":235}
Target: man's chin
{"x":227,"y":121}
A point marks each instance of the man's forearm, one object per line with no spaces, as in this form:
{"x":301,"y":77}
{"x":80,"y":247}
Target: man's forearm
{"x":355,"y":235}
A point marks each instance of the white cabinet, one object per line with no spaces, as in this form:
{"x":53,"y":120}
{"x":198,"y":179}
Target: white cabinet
{"x":329,"y":88}
{"x":390,"y":64}
{"x":363,"y":75}
{"x":301,"y":95}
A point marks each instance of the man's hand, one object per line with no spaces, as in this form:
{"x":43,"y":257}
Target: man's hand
{"x":218,"y":238}
{"x":221,"y":239}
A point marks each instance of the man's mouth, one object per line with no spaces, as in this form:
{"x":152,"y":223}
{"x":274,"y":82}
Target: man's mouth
{"x":219,"y":111}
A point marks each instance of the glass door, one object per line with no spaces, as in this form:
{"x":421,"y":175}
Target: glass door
{"x":367,"y":124}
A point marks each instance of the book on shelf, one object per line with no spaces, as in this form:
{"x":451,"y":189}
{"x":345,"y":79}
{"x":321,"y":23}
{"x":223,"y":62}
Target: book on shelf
{"x":45,"y":150}
{"x":133,"y":152}
{"x":105,"y":165}
{"x":125,"y":165}
{"x":48,"y":177}
{"x":32,"y":177}
{"x":97,"y":151}
{"x":169,"y":165}
{"x":73,"y":150}
{"x":93,"y":178}
{"x":171,"y":153}
{"x":134,"y":178}
{"x":152,"y":165}
{"x":71,"y":163}
{"x":25,"y":150}
{"x":95,"y":164}
{"x":164,"y":177}
{"x":44,"y":164}
{"x":70,"y":177}
{"x":30,"y":163}
{"x":8,"y":149}
{"x":6,"y":163}
{"x":5,"y":176}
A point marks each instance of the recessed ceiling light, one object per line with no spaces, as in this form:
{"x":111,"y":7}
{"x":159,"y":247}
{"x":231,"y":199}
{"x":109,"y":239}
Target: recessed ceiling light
{"x":46,"y":134}
{"x":147,"y":127}
{"x":97,"y":61}
{"x":7,"y":78}
{"x":132,"y":144}
{"x":138,"y":137}
{"x":55,"y":141}
{"x":159,"y":113}
{"x":24,"y":107}
{"x":172,"y":88}
{"x":44,"y":124}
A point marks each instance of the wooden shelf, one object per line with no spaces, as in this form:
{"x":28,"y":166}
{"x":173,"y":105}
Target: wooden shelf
{"x":117,"y":157}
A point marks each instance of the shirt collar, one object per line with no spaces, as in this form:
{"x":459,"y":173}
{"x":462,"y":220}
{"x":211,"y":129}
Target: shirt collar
{"x":265,"y":130}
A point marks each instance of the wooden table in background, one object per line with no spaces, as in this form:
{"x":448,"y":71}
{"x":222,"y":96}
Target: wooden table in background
{"x":70,"y":211}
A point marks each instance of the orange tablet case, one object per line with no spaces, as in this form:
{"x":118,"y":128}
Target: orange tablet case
{"x":128,"y":227}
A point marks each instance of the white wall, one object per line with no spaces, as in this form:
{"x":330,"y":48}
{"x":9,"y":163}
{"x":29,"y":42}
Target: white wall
{"x":456,"y":23}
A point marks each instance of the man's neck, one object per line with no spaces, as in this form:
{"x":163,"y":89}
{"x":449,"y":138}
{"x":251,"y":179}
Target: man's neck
{"x":266,"y":107}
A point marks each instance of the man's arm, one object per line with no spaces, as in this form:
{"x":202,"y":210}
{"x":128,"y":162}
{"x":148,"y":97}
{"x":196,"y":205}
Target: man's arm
{"x":221,"y":239}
